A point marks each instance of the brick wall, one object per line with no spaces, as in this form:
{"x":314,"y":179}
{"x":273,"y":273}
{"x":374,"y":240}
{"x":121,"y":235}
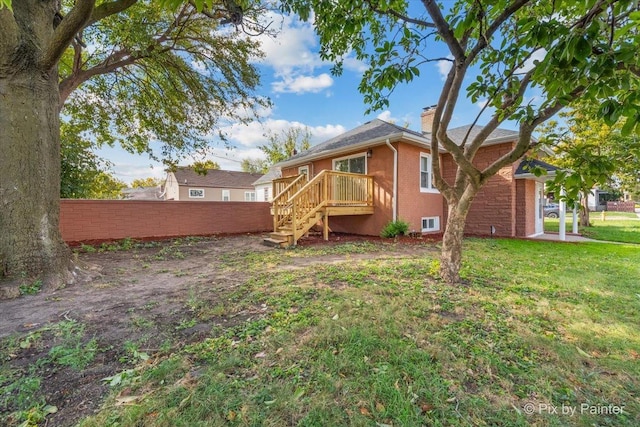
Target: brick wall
{"x":494,"y":205}
{"x":91,"y":220}
{"x":621,"y":206}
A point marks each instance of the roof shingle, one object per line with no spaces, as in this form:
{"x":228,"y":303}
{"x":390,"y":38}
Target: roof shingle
{"x":215,"y":178}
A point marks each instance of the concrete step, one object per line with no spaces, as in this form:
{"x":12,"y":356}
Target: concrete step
{"x":268,"y":241}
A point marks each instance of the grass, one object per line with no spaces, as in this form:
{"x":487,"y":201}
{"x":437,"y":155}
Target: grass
{"x":613,"y":230}
{"x":536,"y":327}
{"x":21,"y":397}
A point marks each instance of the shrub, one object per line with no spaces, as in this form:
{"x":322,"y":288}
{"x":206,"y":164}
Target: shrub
{"x":395,"y":228}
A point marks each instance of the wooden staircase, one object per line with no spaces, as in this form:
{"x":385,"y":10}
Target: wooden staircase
{"x":301,"y":204}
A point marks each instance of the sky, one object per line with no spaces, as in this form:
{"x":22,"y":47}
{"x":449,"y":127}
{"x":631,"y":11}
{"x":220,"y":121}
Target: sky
{"x":304,"y":93}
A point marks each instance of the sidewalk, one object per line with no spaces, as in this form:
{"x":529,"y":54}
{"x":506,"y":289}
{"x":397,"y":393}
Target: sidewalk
{"x":569,"y":237}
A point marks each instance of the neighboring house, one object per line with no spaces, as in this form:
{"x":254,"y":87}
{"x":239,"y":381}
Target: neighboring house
{"x":397,"y":164}
{"x":217,"y":185}
{"x":264,"y":185}
{"x":144,"y":193}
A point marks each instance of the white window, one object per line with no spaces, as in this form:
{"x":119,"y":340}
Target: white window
{"x":303,"y":170}
{"x":196,"y":193}
{"x":354,"y":164}
{"x":266,"y":194}
{"x":249,"y":196}
{"x":431,"y":223}
{"x":426,"y":174}
{"x":226,"y":196}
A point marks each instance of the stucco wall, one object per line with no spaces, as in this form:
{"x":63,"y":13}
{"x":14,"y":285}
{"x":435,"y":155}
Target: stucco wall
{"x":90,"y":220}
{"x":413,"y":205}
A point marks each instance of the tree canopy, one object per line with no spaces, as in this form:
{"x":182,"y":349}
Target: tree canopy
{"x":522,"y":60}
{"x":281,"y":146}
{"x":157,"y":81}
{"x":155,"y":76}
{"x":591,"y":154}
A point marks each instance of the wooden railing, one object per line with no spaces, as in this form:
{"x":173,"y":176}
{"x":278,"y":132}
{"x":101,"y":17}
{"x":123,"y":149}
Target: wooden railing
{"x":281,"y":184}
{"x":284,"y":188}
{"x":328,"y":188}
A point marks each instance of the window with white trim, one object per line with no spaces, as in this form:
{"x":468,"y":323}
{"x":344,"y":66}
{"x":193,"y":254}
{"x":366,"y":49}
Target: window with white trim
{"x":196,"y":193}
{"x":266,"y":194}
{"x":226,"y":196}
{"x":354,"y":164}
{"x":430,"y":223}
{"x":426,"y":173}
{"x":249,"y":196}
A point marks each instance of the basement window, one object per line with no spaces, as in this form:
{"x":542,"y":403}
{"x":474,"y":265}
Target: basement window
{"x":431,"y":223}
{"x":196,"y":193}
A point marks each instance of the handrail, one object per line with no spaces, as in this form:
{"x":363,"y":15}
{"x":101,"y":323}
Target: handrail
{"x":279,"y":207}
{"x":294,"y":182}
{"x":327,"y":188}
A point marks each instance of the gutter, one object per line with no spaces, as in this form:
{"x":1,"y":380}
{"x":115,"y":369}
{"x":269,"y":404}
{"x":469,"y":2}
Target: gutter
{"x":394,"y":200}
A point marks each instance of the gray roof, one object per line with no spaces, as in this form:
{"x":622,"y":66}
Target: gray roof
{"x":529,"y":166}
{"x":273,"y":173}
{"x":377,"y":130}
{"x":215,"y":178}
{"x":144,"y":193}
{"x":458,"y":134}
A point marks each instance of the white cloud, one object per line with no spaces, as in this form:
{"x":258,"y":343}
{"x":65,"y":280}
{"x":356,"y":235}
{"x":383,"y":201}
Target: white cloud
{"x":386,"y":116}
{"x":444,"y":66}
{"x":244,"y":137}
{"x":303,"y":84}
{"x":293,"y":56}
{"x":127,"y":172}
{"x":352,"y":64}
{"x":538,"y":55}
{"x":482,"y":103}
{"x":294,"y":49}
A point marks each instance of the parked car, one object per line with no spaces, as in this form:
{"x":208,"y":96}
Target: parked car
{"x":552,"y":210}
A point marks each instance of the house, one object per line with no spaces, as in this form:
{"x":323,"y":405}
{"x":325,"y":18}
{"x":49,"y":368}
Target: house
{"x":359,"y":181}
{"x":143,"y":193}
{"x":217,"y":185}
{"x":264,"y":185}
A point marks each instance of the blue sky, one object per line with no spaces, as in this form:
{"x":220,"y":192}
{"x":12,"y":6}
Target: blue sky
{"x":304,"y":93}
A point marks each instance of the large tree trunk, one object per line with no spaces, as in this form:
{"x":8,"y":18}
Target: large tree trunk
{"x":451,"y":255}
{"x":31,"y":245}
{"x":584,"y":210}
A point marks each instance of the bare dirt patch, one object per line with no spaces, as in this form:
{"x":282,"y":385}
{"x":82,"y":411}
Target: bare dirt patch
{"x":148,"y":299}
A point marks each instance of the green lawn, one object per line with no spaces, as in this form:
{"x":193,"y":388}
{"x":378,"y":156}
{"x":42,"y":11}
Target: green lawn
{"x":614,"y":230}
{"x":536,"y":327}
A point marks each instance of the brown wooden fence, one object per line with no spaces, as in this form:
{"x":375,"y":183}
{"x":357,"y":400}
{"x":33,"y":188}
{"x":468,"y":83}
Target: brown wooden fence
{"x":621,"y":206}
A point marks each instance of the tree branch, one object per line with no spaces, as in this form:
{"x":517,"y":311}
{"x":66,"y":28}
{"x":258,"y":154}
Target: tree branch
{"x":443,"y":29}
{"x":400,"y":16}
{"x":65,"y":33}
{"x":108,"y":9}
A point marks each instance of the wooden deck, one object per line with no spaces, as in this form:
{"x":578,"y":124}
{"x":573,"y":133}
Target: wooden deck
{"x":300,"y":204}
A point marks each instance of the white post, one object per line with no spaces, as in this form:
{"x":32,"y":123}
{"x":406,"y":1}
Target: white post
{"x":575,"y":218}
{"x":562,"y":234}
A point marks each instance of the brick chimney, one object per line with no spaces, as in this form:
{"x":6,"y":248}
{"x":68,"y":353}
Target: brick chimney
{"x":427,"y":118}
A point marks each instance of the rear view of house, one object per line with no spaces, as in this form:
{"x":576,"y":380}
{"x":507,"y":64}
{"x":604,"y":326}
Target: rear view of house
{"x":217,"y":185}
{"x":378,"y":172}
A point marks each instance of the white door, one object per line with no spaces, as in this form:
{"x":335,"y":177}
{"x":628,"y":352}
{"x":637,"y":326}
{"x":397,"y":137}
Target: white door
{"x":539,"y":227}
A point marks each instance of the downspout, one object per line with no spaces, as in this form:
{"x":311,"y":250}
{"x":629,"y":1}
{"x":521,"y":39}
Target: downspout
{"x":394,"y":200}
